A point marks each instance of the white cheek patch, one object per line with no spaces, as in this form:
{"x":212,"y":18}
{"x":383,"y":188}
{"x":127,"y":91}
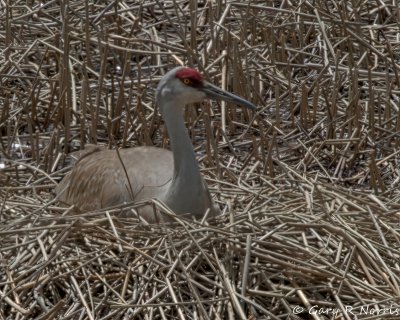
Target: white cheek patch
{"x":166,"y":90}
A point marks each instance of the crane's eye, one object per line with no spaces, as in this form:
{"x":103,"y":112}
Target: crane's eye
{"x":187,"y":81}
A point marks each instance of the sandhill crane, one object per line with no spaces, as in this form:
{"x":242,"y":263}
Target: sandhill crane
{"x":100,"y":180}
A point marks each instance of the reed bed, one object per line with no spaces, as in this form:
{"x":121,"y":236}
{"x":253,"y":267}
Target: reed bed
{"x":308,"y":184}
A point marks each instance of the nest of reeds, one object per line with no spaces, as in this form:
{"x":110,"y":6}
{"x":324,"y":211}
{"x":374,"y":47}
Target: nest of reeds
{"x":308,"y":185}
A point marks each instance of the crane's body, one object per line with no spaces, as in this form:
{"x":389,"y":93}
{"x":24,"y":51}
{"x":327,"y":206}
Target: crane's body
{"x":102,"y":178}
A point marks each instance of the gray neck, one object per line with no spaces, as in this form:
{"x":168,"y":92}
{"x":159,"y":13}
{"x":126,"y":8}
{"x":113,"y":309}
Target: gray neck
{"x":186,"y":185}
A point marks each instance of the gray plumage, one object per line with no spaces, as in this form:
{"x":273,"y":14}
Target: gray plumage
{"x":98,"y":179}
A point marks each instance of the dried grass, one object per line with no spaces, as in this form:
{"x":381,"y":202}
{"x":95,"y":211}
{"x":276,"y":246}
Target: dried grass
{"x":309,"y":185}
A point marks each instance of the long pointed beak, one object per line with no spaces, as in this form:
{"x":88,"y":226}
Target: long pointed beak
{"x":213,"y":92}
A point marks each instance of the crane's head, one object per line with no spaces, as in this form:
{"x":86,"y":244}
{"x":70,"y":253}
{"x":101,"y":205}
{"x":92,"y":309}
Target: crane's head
{"x":185,"y":85}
